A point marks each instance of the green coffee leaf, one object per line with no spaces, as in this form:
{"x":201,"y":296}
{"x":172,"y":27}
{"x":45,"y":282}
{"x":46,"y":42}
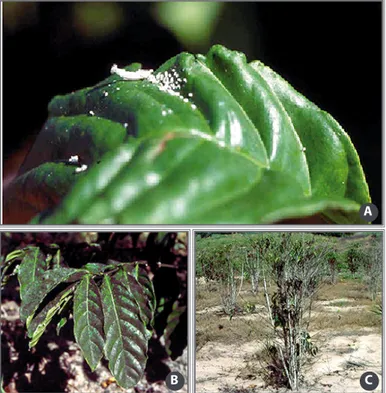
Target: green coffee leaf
{"x":176,"y":324}
{"x":229,"y":196}
{"x":37,"y":190}
{"x":31,"y":269}
{"x":143,"y":279}
{"x":130,"y":280}
{"x":147,"y":286}
{"x":307,"y":117}
{"x":14,"y":255}
{"x":161,"y":305}
{"x":39,"y":289}
{"x":60,"y":324}
{"x":57,"y":260}
{"x":39,"y":323}
{"x":88,"y":321}
{"x":161,"y":239}
{"x":9,"y":263}
{"x":95,"y":268}
{"x":225,"y":141}
{"x":125,"y":333}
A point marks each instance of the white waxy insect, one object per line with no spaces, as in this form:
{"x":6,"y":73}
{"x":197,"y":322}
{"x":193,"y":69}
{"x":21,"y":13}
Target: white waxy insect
{"x":81,"y":168}
{"x":74,"y":159}
{"x":131,"y":75}
{"x":167,"y":81}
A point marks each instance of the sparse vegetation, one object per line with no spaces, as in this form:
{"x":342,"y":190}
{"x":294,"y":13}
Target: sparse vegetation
{"x":301,"y":303}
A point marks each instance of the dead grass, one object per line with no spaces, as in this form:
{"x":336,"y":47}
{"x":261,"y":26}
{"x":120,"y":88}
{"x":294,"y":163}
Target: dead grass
{"x":349,"y":289}
{"x":215,"y":326}
{"x":207,"y":295}
{"x":348,"y":307}
{"x":218,"y":328}
{"x":361,"y":318}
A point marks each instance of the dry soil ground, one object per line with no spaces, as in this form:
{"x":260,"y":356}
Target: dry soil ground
{"x":345,"y":330}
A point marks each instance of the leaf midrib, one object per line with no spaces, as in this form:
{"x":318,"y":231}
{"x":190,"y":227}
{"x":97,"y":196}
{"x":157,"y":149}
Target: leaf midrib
{"x":35,"y":264}
{"x":115,"y":309}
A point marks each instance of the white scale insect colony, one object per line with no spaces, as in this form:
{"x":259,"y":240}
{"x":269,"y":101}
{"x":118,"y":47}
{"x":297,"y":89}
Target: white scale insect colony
{"x":131,"y":75}
{"x":168,"y":81}
{"x":75,"y":160}
{"x":81,"y":168}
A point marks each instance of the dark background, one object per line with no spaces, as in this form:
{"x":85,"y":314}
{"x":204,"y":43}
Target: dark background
{"x":331,"y":52}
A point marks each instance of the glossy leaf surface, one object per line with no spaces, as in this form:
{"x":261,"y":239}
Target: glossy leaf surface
{"x":142,"y":291}
{"x":125,"y":333}
{"x":240,"y":146}
{"x":88,"y":321}
{"x":231,"y":197}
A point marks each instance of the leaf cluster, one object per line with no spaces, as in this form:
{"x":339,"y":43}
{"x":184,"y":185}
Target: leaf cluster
{"x":112,"y":303}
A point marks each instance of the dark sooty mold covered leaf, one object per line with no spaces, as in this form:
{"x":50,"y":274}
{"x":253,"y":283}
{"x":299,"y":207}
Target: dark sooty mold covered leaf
{"x":126,"y":336}
{"x":39,"y":289}
{"x":205,"y":140}
{"x":88,"y":321}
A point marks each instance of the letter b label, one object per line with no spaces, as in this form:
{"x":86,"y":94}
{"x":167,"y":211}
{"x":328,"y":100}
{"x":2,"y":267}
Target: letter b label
{"x":175,"y":380}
